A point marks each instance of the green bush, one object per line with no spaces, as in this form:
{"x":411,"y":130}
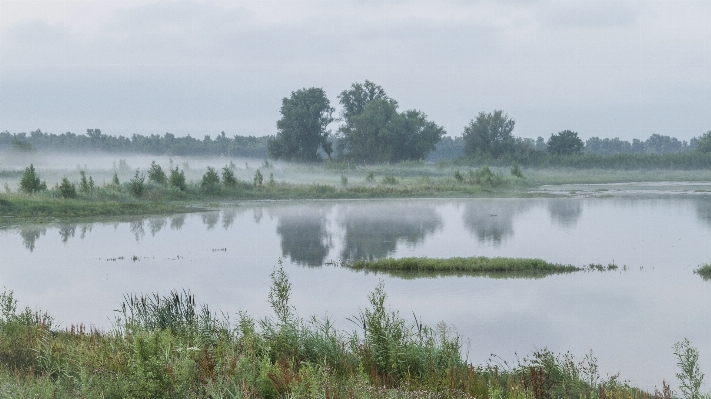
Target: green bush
{"x":177,"y":179}
{"x":137,"y":185}
{"x":228,"y":177}
{"x":67,"y":189}
{"x":258,"y":178}
{"x":210,"y":180}
{"x":30,"y":182}
{"x":156,"y":174}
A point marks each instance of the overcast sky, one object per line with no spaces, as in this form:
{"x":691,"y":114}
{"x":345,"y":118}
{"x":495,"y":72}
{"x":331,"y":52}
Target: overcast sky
{"x":602,"y":68}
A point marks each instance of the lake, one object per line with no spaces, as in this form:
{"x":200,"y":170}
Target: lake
{"x":629,"y":318}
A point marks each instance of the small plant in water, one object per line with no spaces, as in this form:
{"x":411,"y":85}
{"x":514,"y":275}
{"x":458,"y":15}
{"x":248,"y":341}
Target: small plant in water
{"x":704,"y":271}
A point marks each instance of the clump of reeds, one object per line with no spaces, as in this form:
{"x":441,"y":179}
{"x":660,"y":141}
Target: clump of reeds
{"x":704,"y":271}
{"x":473,"y":265}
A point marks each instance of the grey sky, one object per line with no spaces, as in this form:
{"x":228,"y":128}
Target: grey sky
{"x":603,"y":68}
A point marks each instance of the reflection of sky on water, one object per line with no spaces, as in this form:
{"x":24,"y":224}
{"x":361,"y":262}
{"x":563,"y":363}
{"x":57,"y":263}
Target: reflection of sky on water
{"x":69,"y":269}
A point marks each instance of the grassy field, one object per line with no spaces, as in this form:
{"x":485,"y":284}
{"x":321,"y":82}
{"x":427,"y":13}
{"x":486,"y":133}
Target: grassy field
{"x":330,"y":180}
{"x":172,"y":347}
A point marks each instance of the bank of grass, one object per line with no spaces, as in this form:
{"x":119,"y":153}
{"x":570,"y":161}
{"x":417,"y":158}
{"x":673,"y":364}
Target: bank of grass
{"x":170,"y":347}
{"x":704,"y":271}
{"x":471,"y":265}
{"x":112,"y":200}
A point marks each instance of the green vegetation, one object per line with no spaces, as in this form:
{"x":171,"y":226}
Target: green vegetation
{"x":566,"y":142}
{"x":302,"y":129}
{"x":169,"y":346}
{"x":704,"y":271}
{"x":490,"y":134}
{"x":473,"y":266}
{"x":374,"y":131}
{"x":30,"y":182}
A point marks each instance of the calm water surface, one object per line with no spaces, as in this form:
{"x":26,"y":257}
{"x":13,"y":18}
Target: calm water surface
{"x":630,"y":319}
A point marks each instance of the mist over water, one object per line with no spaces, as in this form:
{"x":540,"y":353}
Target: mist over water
{"x":79,"y":272}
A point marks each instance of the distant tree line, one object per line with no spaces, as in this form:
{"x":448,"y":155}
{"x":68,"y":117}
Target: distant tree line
{"x":372,"y":130}
{"x":168,"y":144}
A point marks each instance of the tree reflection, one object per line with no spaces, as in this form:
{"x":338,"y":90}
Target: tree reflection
{"x":228,"y":218}
{"x":373,"y":231}
{"x":30,"y":236}
{"x":155,"y":225}
{"x":565,"y":211}
{"x":177,"y":222}
{"x":66,"y":231}
{"x":703,"y":210}
{"x":136,"y":228}
{"x":491,"y":221}
{"x":210,"y":219}
{"x":304,"y":235}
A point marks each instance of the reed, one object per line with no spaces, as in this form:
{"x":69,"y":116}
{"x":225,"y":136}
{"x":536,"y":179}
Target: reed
{"x":457,"y":265}
{"x":170,"y":346}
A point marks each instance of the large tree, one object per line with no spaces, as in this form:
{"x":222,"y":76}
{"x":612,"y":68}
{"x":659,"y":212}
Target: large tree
{"x":490,"y":134}
{"x":302,"y":127}
{"x":374,"y":131}
{"x":566,"y":142}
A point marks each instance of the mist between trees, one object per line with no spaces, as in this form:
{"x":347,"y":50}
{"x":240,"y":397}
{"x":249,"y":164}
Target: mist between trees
{"x":372,"y":129}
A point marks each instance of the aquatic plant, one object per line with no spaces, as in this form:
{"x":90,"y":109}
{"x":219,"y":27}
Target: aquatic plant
{"x":704,"y":271}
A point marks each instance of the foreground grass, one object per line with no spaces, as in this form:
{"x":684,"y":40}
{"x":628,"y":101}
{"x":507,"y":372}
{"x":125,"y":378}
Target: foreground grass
{"x":169,"y":347}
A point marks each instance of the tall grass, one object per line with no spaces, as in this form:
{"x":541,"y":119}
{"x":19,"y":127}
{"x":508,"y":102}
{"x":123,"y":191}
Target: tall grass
{"x":171,"y":347}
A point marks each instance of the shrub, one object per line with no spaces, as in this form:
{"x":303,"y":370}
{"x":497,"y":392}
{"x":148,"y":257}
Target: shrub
{"x":485,"y":176}
{"x":136,"y":185}
{"x":30,"y":182}
{"x":177,"y":178}
{"x":690,"y":376}
{"x":258,"y":178}
{"x":271,"y":181}
{"x":156,"y":174}
{"x":210,"y":180}
{"x":85,"y":186}
{"x":387,"y":179}
{"x":115,"y":180}
{"x":344,"y":180}
{"x":67,"y":189}
{"x":228,"y":177}
{"x":458,"y":176}
{"x":370,"y":178}
{"x":516,"y":171}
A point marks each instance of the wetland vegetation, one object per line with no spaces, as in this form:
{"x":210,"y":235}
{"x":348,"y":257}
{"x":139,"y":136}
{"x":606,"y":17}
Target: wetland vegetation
{"x":172,"y":347}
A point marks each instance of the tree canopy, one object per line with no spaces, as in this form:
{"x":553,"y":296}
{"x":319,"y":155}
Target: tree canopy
{"x":374,"y":130}
{"x":490,"y":134}
{"x":565,"y":142}
{"x":302,"y":127}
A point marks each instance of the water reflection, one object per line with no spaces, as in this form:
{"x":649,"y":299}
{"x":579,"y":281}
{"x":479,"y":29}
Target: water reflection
{"x":373,"y":231}
{"x":155,"y":225}
{"x":210,"y":219}
{"x":565,"y":211}
{"x":304,"y":234}
{"x":177,"y":222}
{"x":228,"y":218}
{"x":491,"y":222}
{"x":30,"y":236}
{"x":703,"y":210}
{"x":136,"y":227}
{"x":66,"y":231}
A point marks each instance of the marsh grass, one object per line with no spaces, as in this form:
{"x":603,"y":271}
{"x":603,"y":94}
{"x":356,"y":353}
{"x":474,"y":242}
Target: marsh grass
{"x":704,"y":271}
{"x":171,"y":347}
{"x":472,"y":265}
